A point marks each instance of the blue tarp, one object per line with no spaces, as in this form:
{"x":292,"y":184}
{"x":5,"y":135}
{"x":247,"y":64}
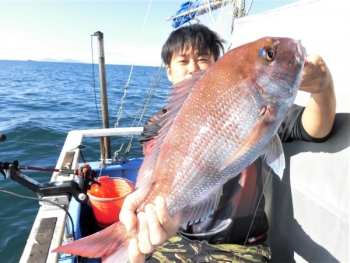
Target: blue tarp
{"x":185,"y":7}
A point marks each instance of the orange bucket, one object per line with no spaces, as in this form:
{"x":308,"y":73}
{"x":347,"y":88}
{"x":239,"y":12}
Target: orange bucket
{"x":107,"y":200}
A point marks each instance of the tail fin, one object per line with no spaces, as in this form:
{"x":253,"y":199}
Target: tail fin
{"x":111,"y":241}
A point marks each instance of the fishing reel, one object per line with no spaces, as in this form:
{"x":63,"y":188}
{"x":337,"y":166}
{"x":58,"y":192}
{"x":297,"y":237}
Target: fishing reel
{"x":85,"y":175}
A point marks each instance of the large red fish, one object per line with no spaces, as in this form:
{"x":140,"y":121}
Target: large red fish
{"x":218,"y":122}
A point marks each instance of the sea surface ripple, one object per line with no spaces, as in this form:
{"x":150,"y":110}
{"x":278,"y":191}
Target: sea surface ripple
{"x":40,"y":103}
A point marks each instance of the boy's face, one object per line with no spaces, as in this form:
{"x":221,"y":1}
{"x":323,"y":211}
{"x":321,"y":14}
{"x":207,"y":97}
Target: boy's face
{"x":185,"y":63}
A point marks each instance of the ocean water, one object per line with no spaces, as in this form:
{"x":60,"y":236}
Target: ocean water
{"x":40,"y":102}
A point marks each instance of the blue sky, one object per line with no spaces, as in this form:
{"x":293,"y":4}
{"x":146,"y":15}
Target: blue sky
{"x":61,"y":29}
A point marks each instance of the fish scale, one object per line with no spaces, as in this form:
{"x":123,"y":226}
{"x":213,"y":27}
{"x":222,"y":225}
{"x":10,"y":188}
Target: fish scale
{"x":246,"y":113}
{"x":217,"y":123}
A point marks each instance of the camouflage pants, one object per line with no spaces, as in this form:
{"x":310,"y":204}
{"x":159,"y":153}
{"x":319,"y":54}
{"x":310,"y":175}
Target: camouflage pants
{"x":178,"y":249}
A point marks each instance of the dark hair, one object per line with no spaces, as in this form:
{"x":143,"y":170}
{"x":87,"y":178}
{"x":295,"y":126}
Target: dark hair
{"x":193,"y":36}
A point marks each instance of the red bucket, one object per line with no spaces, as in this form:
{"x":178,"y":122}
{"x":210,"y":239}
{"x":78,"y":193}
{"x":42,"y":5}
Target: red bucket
{"x":107,"y":200}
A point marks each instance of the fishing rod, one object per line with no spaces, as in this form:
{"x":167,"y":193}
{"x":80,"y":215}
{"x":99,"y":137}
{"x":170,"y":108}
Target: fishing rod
{"x":5,"y":166}
{"x":77,"y":189}
{"x":64,"y":171}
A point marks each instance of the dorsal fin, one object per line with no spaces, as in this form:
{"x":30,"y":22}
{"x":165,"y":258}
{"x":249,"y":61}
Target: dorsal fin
{"x":179,"y":94}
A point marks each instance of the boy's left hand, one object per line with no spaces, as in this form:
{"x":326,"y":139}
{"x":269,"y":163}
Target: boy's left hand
{"x":315,"y":77}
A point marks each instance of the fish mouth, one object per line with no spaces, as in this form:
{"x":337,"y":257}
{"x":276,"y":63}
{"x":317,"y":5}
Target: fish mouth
{"x":301,"y":52}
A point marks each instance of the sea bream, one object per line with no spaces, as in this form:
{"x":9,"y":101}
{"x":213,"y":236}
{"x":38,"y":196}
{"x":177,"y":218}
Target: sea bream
{"x":217,"y":123}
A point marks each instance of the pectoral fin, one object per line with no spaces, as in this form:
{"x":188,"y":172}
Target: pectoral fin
{"x":274,"y":156}
{"x":252,"y":138}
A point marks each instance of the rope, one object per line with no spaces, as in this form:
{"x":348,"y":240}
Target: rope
{"x":140,"y":114}
{"x":132,"y":68}
{"x":148,"y":98}
{"x":212,"y":17}
{"x":145,"y":104}
{"x":250,"y":5}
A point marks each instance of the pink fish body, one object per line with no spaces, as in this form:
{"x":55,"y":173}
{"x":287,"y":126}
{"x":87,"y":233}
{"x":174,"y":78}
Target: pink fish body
{"x":218,"y":123}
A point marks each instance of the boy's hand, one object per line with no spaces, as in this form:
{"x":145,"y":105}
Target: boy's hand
{"x":154,"y":226}
{"x":318,"y":116}
{"x":316,"y":76}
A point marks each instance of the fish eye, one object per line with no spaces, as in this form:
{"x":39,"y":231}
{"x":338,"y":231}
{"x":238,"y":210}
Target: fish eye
{"x":270,"y":55}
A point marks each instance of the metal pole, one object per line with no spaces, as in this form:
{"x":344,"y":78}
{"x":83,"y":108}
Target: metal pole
{"x":105,"y":141}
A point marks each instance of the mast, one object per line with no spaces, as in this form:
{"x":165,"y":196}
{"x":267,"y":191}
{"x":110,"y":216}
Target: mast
{"x":104,"y":141}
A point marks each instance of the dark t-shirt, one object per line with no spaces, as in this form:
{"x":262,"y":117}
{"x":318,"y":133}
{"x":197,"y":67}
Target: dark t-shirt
{"x":240,"y":216}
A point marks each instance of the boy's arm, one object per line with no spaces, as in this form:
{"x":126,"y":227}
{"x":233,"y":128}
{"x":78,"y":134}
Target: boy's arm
{"x":318,"y":116}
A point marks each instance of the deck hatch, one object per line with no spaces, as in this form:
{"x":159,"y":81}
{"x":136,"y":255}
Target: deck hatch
{"x":40,"y":248}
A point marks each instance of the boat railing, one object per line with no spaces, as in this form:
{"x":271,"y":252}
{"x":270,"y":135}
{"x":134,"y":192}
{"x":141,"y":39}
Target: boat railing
{"x":75,"y":138}
{"x":50,"y":224}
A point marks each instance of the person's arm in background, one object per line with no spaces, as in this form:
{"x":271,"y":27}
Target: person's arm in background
{"x":318,"y":116}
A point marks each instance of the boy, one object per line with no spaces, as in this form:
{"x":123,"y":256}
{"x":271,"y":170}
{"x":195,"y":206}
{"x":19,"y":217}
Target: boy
{"x":237,"y":229}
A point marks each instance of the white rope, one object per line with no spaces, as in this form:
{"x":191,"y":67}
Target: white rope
{"x":138,"y":43}
{"x":247,"y":12}
{"x":132,"y":67}
{"x":212,"y":17}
